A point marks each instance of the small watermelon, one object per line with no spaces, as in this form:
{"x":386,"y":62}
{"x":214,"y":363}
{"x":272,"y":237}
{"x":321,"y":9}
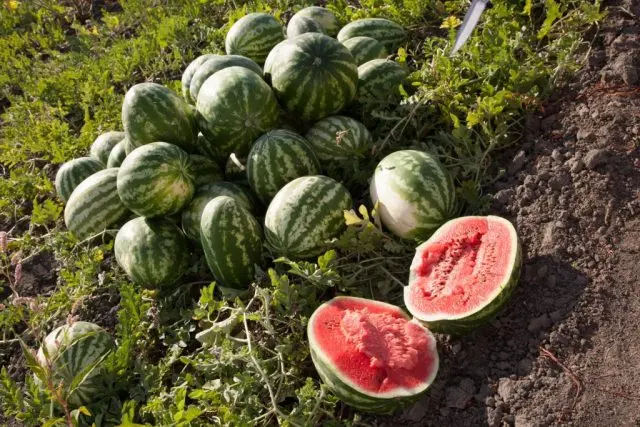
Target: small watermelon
{"x":232,"y":241}
{"x":253,"y":36}
{"x":414,"y":192}
{"x":73,"y":172}
{"x":365,"y":49}
{"x":102,"y":146}
{"x":462,"y":276}
{"x":378,"y":81}
{"x":386,"y":32}
{"x":213,"y":65}
{"x":338,"y":138}
{"x":371,"y":354}
{"x":327,"y":20}
{"x":299,"y":24}
{"x":188,"y":74}
{"x":205,"y":171}
{"x":117,"y":155}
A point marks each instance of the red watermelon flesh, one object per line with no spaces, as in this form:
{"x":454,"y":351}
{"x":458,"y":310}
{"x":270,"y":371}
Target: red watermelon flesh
{"x":374,"y":347}
{"x":462,"y":268}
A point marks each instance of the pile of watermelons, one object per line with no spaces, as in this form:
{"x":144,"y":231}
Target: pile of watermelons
{"x":258,"y":127}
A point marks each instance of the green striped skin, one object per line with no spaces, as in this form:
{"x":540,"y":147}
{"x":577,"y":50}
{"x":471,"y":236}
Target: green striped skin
{"x":276,"y":158}
{"x":415,"y":193}
{"x":299,"y":24}
{"x":152,"y":251}
{"x":156,"y":179}
{"x":94,"y":205}
{"x":102,"y":146}
{"x":73,"y":172}
{"x":305,"y":214}
{"x":235,"y":106}
{"x":117,"y":155}
{"x":77,"y":350}
{"x":151,"y":112}
{"x":192,"y":214}
{"x":213,"y":65}
{"x":339,"y":138}
{"x":205,"y":170}
{"x":386,"y":32}
{"x":327,"y":20}
{"x":232,"y":241}
{"x":273,"y":58}
{"x":128,"y":146}
{"x":365,"y":49}
{"x":188,"y":74}
{"x":254,"y":36}
{"x":378,"y":81}
{"x":314,"y":77}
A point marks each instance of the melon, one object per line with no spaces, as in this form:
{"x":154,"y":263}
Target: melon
{"x":371,"y":354}
{"x":188,"y":74}
{"x":253,"y":36}
{"x":324,"y":17}
{"x":462,"y":276}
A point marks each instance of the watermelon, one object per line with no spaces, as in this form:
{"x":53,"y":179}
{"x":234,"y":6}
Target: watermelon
{"x":276,"y":158}
{"x":151,"y":113}
{"x":156,"y":179}
{"x":414,"y":192}
{"x":272,"y":58}
{"x":378,"y":80}
{"x":216,"y":64}
{"x":314,"y":76}
{"x":371,"y":354}
{"x":254,"y":36}
{"x":117,"y":155}
{"x":94,"y":205}
{"x":192,"y":214}
{"x":102,"y":146}
{"x":299,"y":24}
{"x":339,"y":138}
{"x":128,"y":147}
{"x":463,"y":275}
{"x":152,"y":251}
{"x":76,"y":350}
{"x":327,"y":20}
{"x":305,"y":214}
{"x":188,"y":74}
{"x":235,"y":106}
{"x":73,"y":172}
{"x":232,"y":241}
{"x":365,"y":49}
{"x":386,"y":32}
{"x":205,"y":170}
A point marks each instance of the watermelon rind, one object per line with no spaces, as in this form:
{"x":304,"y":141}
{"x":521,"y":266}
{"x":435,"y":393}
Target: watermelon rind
{"x":73,"y":172}
{"x":153,"y":252}
{"x":378,"y":81}
{"x":365,"y":49}
{"x":188,"y":74}
{"x":299,"y":24}
{"x":232,"y":241}
{"x":387,"y":32}
{"x":253,"y":36}
{"x":117,"y":155}
{"x":464,"y":323}
{"x":213,"y":65}
{"x":327,"y":20}
{"x":205,"y":171}
{"x":338,"y":138}
{"x":103,"y":144}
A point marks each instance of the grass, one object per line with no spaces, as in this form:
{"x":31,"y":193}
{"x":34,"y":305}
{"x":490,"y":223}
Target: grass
{"x":64,"y":68}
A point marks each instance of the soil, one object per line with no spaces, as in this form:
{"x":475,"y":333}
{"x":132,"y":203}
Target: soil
{"x":563,"y":352}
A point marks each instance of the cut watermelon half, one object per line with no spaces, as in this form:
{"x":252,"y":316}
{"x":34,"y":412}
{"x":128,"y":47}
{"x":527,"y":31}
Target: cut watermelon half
{"x":371,"y":354}
{"x":462,"y":276}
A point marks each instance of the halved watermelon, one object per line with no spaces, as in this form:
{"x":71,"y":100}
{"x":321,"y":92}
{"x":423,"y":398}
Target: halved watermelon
{"x":462,"y":276}
{"x":371,"y":354}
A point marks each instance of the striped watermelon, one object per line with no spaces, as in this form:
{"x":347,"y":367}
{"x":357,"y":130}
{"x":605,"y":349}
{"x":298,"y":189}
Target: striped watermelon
{"x":156,"y":179}
{"x":117,"y":155}
{"x":254,"y":36}
{"x":414,"y":192}
{"x":378,"y":80}
{"x":232,"y":241}
{"x":299,"y":24}
{"x":364,"y":49}
{"x":102,"y":146}
{"x":205,"y":170}
{"x":216,"y":64}
{"x":305,"y":214}
{"x":152,"y":251}
{"x":235,"y":106}
{"x":151,"y":113}
{"x":128,"y":146}
{"x":94,"y":205}
{"x":188,"y":74}
{"x":339,"y":138}
{"x":386,"y":32}
{"x":273,"y":58}
{"x":192,"y":214}
{"x":77,"y":349}
{"x":73,"y":172}
{"x":314,"y":76}
{"x":327,"y":20}
{"x":276,"y":158}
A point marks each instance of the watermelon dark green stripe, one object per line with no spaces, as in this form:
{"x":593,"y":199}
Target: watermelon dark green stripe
{"x":385,"y":31}
{"x":117,"y":155}
{"x":188,"y":74}
{"x":73,"y":172}
{"x":94,"y":205}
{"x":253,"y":36}
{"x":365,"y":49}
{"x":213,"y":65}
{"x":103,"y":144}
{"x":339,"y":138}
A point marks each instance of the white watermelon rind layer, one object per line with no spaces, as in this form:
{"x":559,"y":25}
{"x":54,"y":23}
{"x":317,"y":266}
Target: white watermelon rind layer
{"x":465,"y":322}
{"x":349,"y":391}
